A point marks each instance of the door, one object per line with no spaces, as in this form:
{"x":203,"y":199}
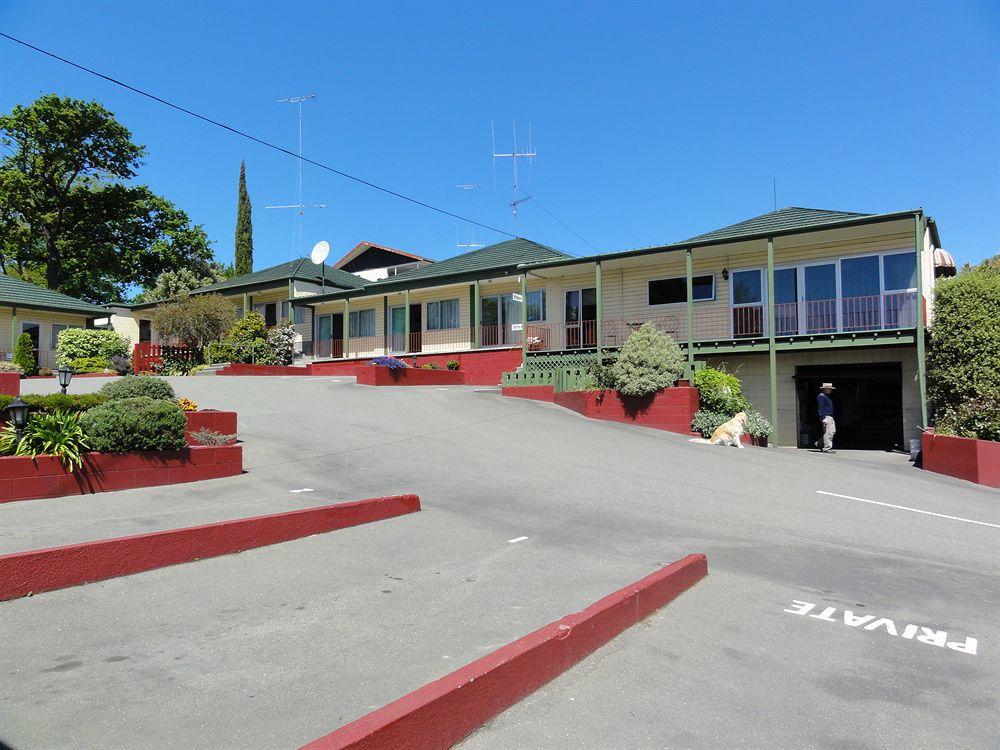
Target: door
{"x":397,"y":330}
{"x":786,"y":301}
{"x":819,"y":292}
{"x":416,"y":326}
{"x":747,"y":295}
{"x":860,"y":293}
{"x":324,"y":336}
{"x":580,"y":317}
{"x":489,"y":316}
{"x":510,"y":316}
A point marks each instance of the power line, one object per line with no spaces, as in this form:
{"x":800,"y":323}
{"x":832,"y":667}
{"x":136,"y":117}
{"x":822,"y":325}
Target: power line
{"x":250,"y":137}
{"x":565,"y":226}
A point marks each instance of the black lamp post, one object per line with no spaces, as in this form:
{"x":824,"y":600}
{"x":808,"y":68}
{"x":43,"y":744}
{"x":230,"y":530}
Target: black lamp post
{"x":18,"y":411}
{"x":65,"y":374}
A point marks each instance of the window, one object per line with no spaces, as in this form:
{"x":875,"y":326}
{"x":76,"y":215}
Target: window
{"x":34,"y":330}
{"x":146,"y":329}
{"x":300,"y":315}
{"x":536,"y":306}
{"x":285,"y":310}
{"x":362,"y":323}
{"x":673,"y":291}
{"x":899,"y":272}
{"x":56,"y":328}
{"x":442,"y":315}
{"x":747,"y":287}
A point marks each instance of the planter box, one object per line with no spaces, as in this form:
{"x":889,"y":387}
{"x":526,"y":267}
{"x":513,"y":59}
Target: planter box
{"x":25,"y":478}
{"x":223,"y":422}
{"x":670,"y":409}
{"x":480,"y":367}
{"x":966,"y":458}
{"x":10,"y":383}
{"x":409,"y":376}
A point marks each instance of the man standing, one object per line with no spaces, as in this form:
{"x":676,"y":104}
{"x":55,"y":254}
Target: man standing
{"x":825,"y":405}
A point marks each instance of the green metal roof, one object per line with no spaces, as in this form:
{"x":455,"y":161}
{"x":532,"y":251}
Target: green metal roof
{"x":504,"y":256}
{"x":18,"y":293}
{"x":782,"y":220}
{"x":302,"y":269}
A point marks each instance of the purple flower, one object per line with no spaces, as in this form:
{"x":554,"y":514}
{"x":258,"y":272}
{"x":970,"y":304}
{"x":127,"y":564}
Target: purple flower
{"x":391,"y":362}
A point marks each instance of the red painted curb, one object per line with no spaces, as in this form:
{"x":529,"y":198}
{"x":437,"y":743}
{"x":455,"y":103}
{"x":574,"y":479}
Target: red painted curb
{"x":442,"y":712}
{"x":54,"y":568}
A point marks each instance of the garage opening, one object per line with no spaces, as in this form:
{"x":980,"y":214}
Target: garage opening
{"x":867,"y":403}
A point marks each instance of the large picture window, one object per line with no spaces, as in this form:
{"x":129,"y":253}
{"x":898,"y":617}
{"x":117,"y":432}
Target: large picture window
{"x":442,"y":315}
{"x":361,"y":324}
{"x":536,"y":306}
{"x":674,"y":291}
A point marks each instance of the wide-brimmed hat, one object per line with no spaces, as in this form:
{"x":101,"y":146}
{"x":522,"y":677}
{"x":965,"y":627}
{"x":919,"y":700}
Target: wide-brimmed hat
{"x":831,"y":386}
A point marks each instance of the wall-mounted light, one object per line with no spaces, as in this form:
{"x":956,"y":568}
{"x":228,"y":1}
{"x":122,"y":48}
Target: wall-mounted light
{"x":725,"y":274}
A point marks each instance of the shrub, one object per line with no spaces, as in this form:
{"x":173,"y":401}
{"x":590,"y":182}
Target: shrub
{"x":391,"y":362}
{"x":430,"y":366}
{"x":706,"y":422}
{"x":974,"y":418}
{"x":121,"y":364}
{"x":91,"y":364}
{"x":248,"y":328}
{"x":281,"y":339}
{"x":24,"y":354}
{"x":756,"y":425}
{"x":195,"y":320}
{"x":452,"y":364}
{"x":719,"y":391}
{"x":132,"y":386}
{"x":58,"y":434}
{"x":45,"y":372}
{"x":205,"y":436}
{"x":187,"y":404}
{"x":173,"y":363}
{"x":649,"y":360}
{"x":601,"y":376}
{"x":219,"y":351}
{"x":10,"y":367}
{"x":79,"y":343}
{"x":135,"y":424}
{"x":963,"y":359}
{"x":53,"y":402}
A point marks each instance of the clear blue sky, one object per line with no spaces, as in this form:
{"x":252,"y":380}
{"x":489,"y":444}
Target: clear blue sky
{"x":652,"y":122}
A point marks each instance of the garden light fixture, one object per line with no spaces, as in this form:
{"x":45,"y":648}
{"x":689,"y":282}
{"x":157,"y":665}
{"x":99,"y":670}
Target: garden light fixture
{"x":65,"y":374}
{"x":18,"y":411}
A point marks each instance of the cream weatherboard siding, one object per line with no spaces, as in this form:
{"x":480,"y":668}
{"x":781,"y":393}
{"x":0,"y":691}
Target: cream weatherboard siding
{"x":45,"y":320}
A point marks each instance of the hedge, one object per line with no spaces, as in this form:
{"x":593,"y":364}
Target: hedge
{"x":81,"y":343}
{"x":135,"y":424}
{"x":132,"y":386}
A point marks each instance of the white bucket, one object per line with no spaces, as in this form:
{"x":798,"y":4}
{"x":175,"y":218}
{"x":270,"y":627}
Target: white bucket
{"x":914,"y":448}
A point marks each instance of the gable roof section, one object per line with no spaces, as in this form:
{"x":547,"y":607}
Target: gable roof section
{"x":782,"y":220}
{"x":364,"y":246}
{"x":301,"y":269}
{"x":18,"y":293}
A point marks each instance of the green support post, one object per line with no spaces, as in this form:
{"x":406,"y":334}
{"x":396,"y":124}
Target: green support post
{"x":772,"y":355}
{"x":406,"y":325}
{"x":475,"y":315}
{"x":246,"y":303}
{"x":524,"y":319}
{"x":597,"y":290}
{"x":690,"y":311}
{"x":347,"y":328}
{"x":385,"y":323}
{"x":291,"y":296}
{"x":918,"y":231}
{"x":472,"y":316}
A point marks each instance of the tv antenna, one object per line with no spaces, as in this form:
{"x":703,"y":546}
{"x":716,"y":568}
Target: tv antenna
{"x":471,"y":244}
{"x":300,"y":207}
{"x":514,"y":156}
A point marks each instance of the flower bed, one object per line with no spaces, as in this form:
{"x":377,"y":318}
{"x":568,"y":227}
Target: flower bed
{"x":10,"y":383}
{"x":409,"y":376}
{"x":223,"y":422}
{"x":25,"y":478}
{"x":966,"y":458}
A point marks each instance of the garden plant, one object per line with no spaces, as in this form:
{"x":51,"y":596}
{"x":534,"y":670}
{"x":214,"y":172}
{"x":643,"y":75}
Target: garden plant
{"x":649,"y":361}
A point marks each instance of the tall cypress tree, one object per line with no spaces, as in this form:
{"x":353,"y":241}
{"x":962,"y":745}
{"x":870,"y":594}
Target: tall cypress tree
{"x":244,"y":227}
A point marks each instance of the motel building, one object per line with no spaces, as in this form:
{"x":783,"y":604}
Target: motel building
{"x":785,"y":301}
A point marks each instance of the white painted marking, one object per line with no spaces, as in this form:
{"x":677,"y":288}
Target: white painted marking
{"x":929,"y":636}
{"x":913,"y":510}
{"x":304,"y":489}
{"x":515,"y":541}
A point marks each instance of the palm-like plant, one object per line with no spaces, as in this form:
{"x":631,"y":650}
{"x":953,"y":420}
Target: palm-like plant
{"x":58,"y":434}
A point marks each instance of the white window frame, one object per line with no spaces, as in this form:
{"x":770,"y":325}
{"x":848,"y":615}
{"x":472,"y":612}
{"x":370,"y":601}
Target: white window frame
{"x":682,"y":302}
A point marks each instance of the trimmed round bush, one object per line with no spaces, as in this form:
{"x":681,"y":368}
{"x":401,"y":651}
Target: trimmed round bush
{"x":132,"y":386}
{"x":135,"y":424}
{"x":77,"y":343}
{"x":91,"y":364}
{"x":649,"y":361}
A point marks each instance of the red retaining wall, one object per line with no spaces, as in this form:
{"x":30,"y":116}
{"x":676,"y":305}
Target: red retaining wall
{"x":54,"y":568}
{"x":442,"y":712}
{"x":671,"y":409}
{"x":409,"y":376}
{"x":238,"y":368}
{"x":10,"y":383}
{"x":26,"y":478}
{"x":223,"y":422}
{"x":966,"y":458}
{"x":534,"y":392}
{"x":481,"y":367}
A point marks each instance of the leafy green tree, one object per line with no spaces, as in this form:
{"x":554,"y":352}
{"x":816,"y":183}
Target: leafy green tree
{"x":68,"y":212}
{"x":24,"y":354}
{"x":244,"y":226}
{"x":174,"y":283}
{"x":195,"y":320}
{"x":649,"y":360}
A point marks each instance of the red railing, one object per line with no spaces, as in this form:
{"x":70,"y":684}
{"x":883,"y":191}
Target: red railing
{"x":148,"y":357}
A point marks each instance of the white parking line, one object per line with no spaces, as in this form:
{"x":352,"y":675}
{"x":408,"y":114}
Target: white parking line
{"x":515,"y":541}
{"x":304,"y":489}
{"x":913,"y":510}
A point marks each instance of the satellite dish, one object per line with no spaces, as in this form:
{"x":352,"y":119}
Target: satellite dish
{"x":319,"y":252}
